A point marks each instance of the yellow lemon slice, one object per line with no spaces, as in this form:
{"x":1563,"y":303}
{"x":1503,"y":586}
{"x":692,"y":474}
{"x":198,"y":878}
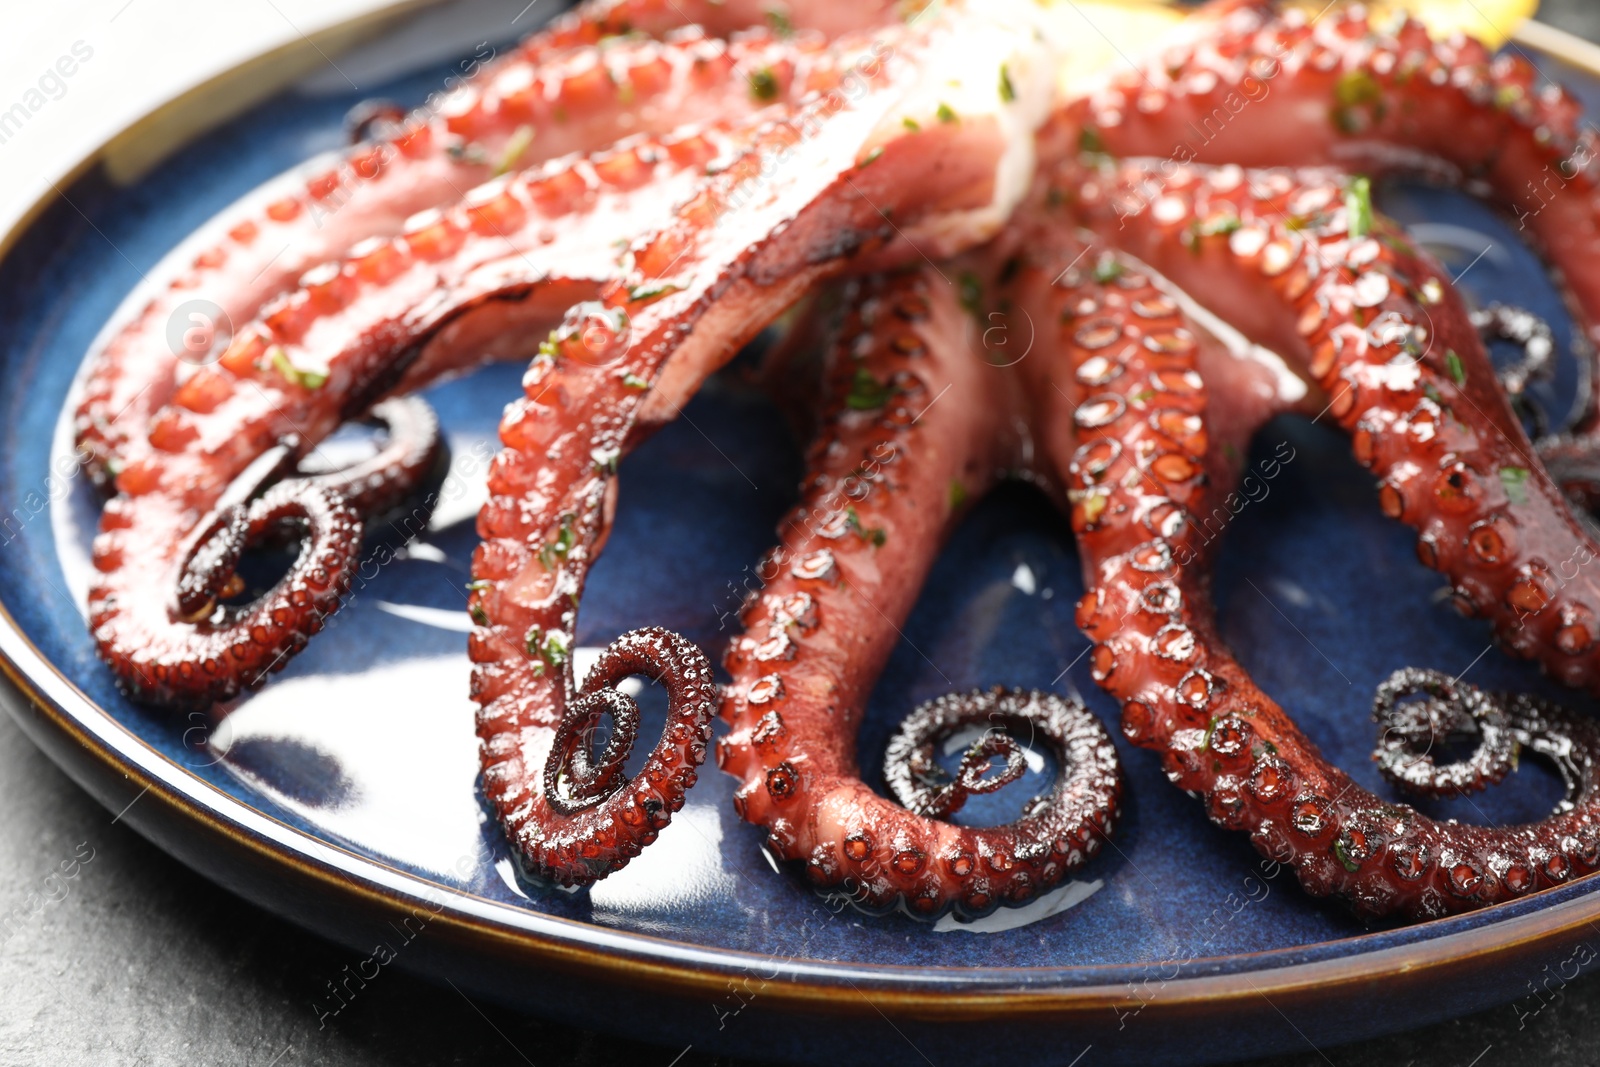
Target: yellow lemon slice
{"x":1109,"y":34}
{"x":1490,"y":21}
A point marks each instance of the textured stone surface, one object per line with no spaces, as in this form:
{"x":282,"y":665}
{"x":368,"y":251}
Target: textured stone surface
{"x":135,"y":960}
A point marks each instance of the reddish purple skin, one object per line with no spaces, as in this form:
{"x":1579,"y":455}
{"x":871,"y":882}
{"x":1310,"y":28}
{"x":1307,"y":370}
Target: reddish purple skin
{"x":1133,"y":448}
{"x":877,"y":504}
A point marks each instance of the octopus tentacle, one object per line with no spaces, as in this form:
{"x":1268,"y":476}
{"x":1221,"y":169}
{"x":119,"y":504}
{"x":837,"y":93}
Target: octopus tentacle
{"x":514,"y":116}
{"x":1147,"y":560}
{"x":1503,"y":322}
{"x":1394,"y":99}
{"x":594,"y":820}
{"x":1081,"y":808}
{"x":1378,"y":326}
{"x":877,"y":505}
{"x":224,"y":649}
{"x":463,"y":286}
{"x":481,"y":281}
{"x":1410,"y":731}
{"x":1574,"y":465}
{"x":840,"y":183}
{"x":810,"y":192}
{"x":595,"y":22}
{"x":412,"y":450}
{"x":1504,"y":723}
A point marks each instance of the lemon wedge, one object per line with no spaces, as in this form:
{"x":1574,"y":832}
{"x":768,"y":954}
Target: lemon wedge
{"x":1490,"y":21}
{"x":1109,"y":33}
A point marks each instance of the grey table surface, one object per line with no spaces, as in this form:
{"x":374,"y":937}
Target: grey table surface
{"x":143,"y":962}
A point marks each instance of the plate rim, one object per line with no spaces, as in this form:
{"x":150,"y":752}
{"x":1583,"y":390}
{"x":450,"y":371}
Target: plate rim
{"x":640,"y":959}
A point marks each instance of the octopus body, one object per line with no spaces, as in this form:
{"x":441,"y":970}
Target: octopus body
{"x":623,"y":202}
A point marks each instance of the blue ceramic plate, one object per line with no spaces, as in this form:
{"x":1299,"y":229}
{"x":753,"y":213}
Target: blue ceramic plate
{"x":345,"y":794}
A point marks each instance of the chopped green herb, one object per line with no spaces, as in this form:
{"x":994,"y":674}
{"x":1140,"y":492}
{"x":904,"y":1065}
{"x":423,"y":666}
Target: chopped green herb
{"x":1008,"y":92}
{"x":778,"y":19}
{"x":876,"y":535}
{"x":1215,"y":226}
{"x":969,"y":291}
{"x":958,"y":495}
{"x":1108,"y":269}
{"x":520,"y":139}
{"x":1143,"y":395}
{"x":764,"y":84}
{"x":1355,"y":91}
{"x":566,"y":537}
{"x":652,"y":291}
{"x":946,"y":113}
{"x":1358,"y":203}
{"x":1263,"y":748}
{"x":1515,"y":482}
{"x":479,"y":586}
{"x":552,"y":648}
{"x":479,"y":616}
{"x":1211,"y":728}
{"x":1089,"y":140}
{"x":1458,"y":372}
{"x":871,"y":158}
{"x":1357,"y":87}
{"x":550,"y":347}
{"x":1506,"y":96}
{"x":556,"y":648}
{"x":633,"y":381}
{"x":1094,"y":506}
{"x":278,"y":360}
{"x":866,"y":392}
{"x":911,"y":124}
{"x":1344,"y":856}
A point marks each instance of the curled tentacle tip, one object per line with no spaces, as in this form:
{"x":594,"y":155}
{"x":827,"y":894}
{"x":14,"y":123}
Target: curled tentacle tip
{"x":573,"y":779}
{"x":1505,"y":724}
{"x":1055,"y":833}
{"x":202,"y":650}
{"x":1414,"y":734}
{"x":593,"y":819}
{"x":411,"y":456}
